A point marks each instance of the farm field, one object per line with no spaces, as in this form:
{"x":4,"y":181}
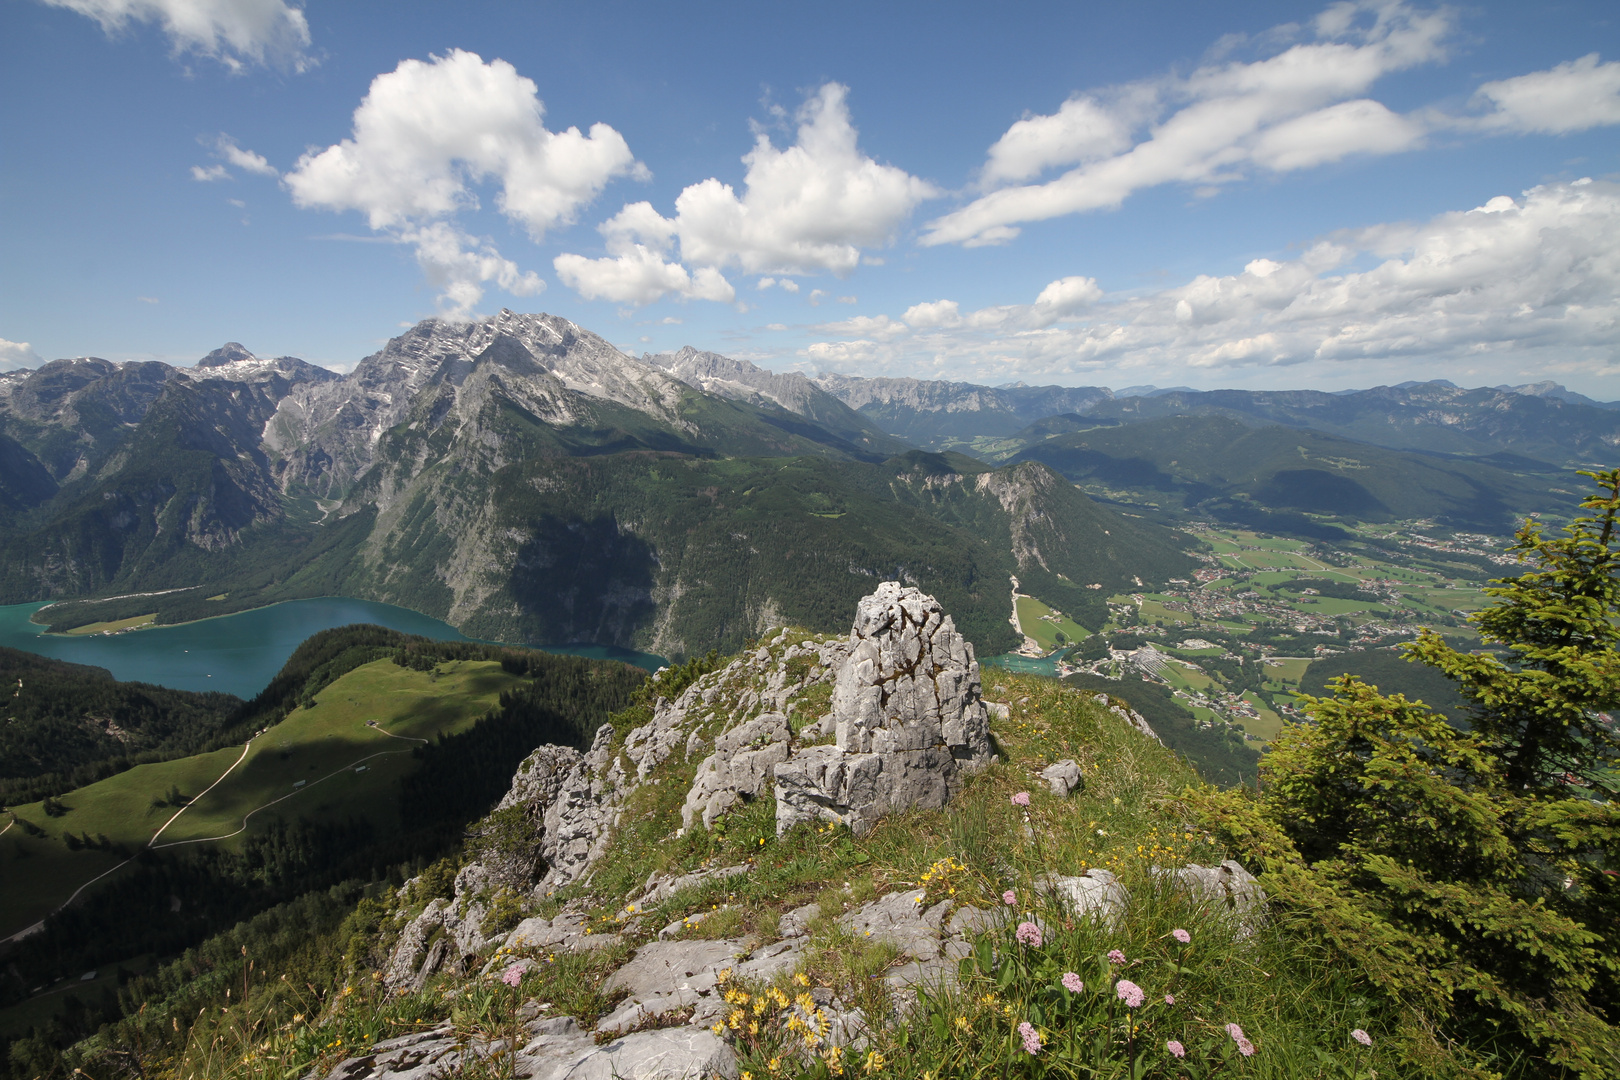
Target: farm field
{"x":1041,"y":622}
{"x":131,"y":623}
{"x":1251,"y":603}
{"x":350,"y":749}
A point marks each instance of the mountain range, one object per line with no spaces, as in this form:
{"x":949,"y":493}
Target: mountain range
{"x":1542,"y":421}
{"x":527,"y":481}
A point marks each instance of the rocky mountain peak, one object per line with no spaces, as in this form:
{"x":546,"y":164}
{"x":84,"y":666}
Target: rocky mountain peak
{"x":232,"y":352}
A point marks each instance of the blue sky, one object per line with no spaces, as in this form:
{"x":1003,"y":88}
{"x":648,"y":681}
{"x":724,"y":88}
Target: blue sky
{"x":1258,"y":195}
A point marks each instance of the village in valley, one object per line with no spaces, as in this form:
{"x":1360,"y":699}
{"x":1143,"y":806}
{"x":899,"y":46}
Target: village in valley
{"x":1234,"y":642}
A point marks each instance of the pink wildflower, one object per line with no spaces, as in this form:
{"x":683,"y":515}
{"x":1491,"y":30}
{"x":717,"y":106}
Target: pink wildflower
{"x":1072,"y":983}
{"x":1031,"y":1037}
{"x":1009,"y":898}
{"x":1246,"y":1048}
{"x":1181,"y":936}
{"x":1176,"y":1048}
{"x":1029,"y":934}
{"x":1115,"y":956}
{"x":1234,"y":1031}
{"x":1169,"y":999}
{"x":1130,"y":994}
{"x":1361,"y":1037}
{"x":512,"y":975}
{"x":1021,"y":799}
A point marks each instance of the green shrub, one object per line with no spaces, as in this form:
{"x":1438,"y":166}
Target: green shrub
{"x":1471,"y":874}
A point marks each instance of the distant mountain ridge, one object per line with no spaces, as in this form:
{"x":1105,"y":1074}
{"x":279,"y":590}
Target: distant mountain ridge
{"x":930,"y":411}
{"x":1539,"y":420}
{"x":1227,"y":469}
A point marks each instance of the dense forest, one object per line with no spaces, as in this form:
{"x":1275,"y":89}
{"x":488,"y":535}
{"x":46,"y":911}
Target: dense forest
{"x":1392,"y":673}
{"x":1219,"y":755}
{"x":65,"y":725}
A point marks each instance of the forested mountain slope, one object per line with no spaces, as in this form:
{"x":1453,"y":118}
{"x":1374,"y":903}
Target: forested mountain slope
{"x":1207,"y":461}
{"x":65,"y":719}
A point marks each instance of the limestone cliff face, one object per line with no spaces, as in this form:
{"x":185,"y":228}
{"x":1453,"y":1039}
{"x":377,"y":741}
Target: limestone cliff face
{"x":330,"y":435}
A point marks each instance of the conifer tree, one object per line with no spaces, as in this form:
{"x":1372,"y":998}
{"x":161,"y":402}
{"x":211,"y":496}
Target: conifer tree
{"x":1544,"y":713}
{"x":1473,"y":874}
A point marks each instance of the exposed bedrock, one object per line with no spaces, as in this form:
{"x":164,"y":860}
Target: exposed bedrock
{"x":908,"y":713}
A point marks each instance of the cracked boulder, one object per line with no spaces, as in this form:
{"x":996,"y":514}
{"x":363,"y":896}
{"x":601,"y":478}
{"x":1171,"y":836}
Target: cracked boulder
{"x":909,"y":716}
{"x":738,"y":770}
{"x":1227,"y":888}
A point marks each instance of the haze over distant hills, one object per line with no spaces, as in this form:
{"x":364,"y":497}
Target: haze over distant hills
{"x":1541,"y":420}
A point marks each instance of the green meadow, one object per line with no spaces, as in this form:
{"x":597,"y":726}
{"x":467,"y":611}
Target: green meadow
{"x":341,"y":757}
{"x":1041,"y":622}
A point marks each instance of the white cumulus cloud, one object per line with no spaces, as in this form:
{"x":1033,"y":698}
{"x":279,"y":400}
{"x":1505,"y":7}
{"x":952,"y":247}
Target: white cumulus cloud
{"x":1065,"y":296}
{"x":246,"y":160}
{"x":1516,"y":285}
{"x":17,"y":354}
{"x":807,"y":208}
{"x":234,"y":32}
{"x":1301,"y":107}
{"x":1362,"y":126}
{"x":1083,"y":129}
{"x":1570,"y":97}
{"x":459,"y":266}
{"x":934,"y":313}
{"x":880,"y":327}
{"x":429,"y":133}
{"x":640,"y":276}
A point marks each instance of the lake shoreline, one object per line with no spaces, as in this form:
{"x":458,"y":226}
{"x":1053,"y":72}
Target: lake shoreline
{"x":239,"y":652}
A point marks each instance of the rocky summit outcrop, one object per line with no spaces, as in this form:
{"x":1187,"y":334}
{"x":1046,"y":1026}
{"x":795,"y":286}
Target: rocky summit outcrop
{"x":908,"y":716}
{"x":906,"y":723}
{"x":840,"y":730}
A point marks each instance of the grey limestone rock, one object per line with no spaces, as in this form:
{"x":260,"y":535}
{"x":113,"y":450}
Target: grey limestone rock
{"x":901,"y":920}
{"x":686,"y":1053}
{"x":909,"y":719}
{"x":738,"y":770}
{"x":682,"y":925}
{"x":973,"y":920}
{"x":661,"y":887}
{"x":666,"y":977}
{"x":1137,"y":721}
{"x":1095,"y":894}
{"x":565,"y":933}
{"x":796,"y":923}
{"x":1227,"y":888}
{"x":411,"y":950}
{"x":1062,"y":778}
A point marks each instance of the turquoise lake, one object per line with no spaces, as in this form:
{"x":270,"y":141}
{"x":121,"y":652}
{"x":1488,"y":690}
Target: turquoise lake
{"x":1025,"y":665}
{"x":240,"y":653}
